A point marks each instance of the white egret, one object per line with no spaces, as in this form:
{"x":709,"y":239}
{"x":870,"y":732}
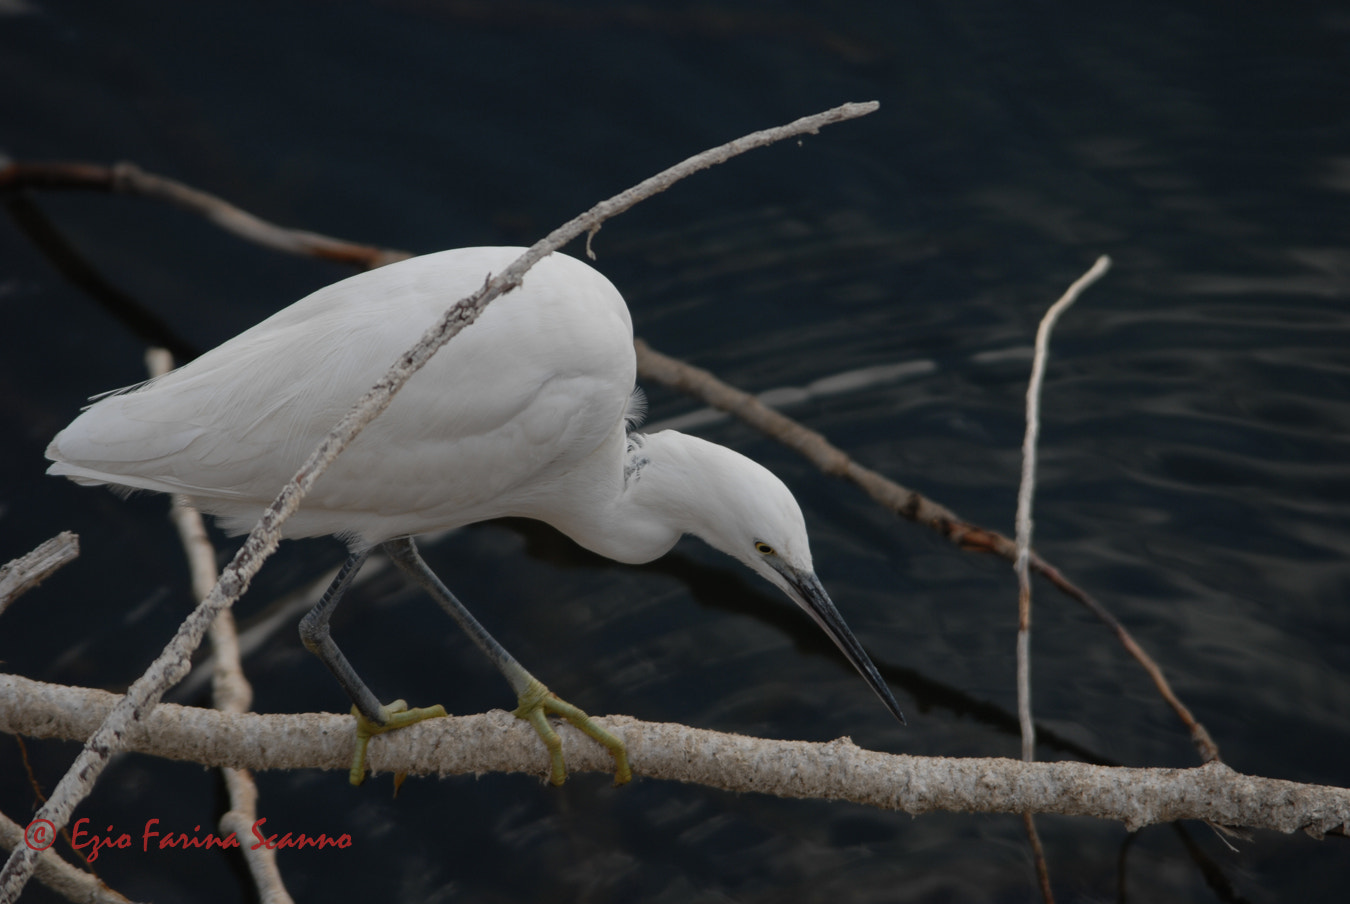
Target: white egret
{"x":523,"y":414}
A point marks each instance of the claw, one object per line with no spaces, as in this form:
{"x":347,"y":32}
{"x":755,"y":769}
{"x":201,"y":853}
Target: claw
{"x":537,"y":701}
{"x":396,"y":715}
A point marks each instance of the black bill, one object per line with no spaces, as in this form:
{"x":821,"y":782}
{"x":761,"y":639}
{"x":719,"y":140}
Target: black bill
{"x":813,"y":598}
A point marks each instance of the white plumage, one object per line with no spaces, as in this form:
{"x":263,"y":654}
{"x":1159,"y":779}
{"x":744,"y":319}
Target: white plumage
{"x":522,"y":414}
{"x":537,"y":384}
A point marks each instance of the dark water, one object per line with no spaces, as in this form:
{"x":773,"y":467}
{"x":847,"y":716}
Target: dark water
{"x":1193,"y":466}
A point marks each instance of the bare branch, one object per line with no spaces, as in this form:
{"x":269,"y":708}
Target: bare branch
{"x":1025,"y":493}
{"x":173,"y":663}
{"x":230,"y":690}
{"x":1027,"y":489}
{"x":498,"y":742}
{"x":1038,"y":855}
{"x":69,"y":881}
{"x":129,"y":179}
{"x":27,"y":571}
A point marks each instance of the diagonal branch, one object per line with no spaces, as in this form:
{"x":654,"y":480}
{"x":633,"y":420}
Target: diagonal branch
{"x":173,"y":663}
{"x":29,"y":570}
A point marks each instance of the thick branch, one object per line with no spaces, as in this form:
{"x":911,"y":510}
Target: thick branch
{"x":498,"y":742}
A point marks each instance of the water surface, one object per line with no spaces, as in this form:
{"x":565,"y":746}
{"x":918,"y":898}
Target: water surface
{"x":1196,"y":424}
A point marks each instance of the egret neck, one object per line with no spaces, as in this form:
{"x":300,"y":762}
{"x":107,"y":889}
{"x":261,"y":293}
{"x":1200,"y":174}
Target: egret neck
{"x":638,"y":494}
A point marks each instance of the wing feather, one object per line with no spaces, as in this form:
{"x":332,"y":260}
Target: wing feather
{"x":539,"y":380}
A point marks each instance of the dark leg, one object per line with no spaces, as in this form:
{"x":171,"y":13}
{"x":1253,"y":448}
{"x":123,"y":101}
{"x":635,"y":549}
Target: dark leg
{"x":371,"y":716}
{"x":404,"y":554}
{"x":318,"y":639}
{"x":535,"y":700}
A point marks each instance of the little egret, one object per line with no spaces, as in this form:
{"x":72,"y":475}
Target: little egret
{"x":525,"y":414}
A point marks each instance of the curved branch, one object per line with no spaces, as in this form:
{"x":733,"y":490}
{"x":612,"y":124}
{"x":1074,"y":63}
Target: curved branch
{"x":839,"y":770}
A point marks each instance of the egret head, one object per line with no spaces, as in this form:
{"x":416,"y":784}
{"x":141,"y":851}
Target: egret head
{"x":741,"y":508}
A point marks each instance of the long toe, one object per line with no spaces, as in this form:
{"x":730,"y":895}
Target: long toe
{"x":537,"y":703}
{"x":396,"y":715}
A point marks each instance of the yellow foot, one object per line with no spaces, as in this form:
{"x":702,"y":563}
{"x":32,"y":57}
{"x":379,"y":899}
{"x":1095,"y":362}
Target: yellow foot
{"x":396,"y":715}
{"x":538,"y":701}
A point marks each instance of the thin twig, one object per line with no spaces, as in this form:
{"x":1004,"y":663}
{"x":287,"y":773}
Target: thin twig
{"x":1038,"y":857}
{"x":497,"y":741}
{"x":173,"y":663}
{"x":1026,"y":492}
{"x":230,"y":690}
{"x":26,"y":572}
{"x":129,"y":179}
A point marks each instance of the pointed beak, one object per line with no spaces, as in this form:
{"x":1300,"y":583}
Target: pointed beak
{"x":811,"y":596}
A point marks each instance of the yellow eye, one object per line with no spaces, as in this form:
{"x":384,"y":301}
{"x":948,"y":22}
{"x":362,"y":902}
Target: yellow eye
{"x":764,"y":548}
